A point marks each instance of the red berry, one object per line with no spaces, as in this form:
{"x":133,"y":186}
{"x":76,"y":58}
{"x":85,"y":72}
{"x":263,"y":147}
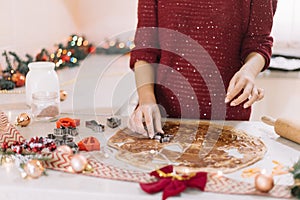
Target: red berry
{"x":20,"y":150}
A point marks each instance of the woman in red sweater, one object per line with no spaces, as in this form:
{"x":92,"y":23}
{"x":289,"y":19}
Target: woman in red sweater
{"x":199,"y":59}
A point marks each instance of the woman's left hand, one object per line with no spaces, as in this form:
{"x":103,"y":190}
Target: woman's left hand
{"x":243,"y":81}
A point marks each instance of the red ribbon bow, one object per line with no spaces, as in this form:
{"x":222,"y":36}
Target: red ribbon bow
{"x":173,"y":184}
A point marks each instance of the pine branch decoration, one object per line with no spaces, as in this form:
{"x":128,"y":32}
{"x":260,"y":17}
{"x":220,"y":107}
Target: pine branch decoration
{"x":296,"y":174}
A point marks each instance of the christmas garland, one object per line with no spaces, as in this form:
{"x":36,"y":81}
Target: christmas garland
{"x":75,"y":50}
{"x":296,"y":175}
{"x":27,"y":155}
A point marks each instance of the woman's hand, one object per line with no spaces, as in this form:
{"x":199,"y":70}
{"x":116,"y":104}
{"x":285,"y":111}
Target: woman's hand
{"x":243,"y":81}
{"x":151,"y":115}
{"x":147,"y":110}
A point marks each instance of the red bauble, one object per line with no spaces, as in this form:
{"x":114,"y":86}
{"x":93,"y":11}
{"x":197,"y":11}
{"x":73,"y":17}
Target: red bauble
{"x":18,"y":79}
{"x":92,"y":49}
{"x":4,"y":146}
{"x":65,"y":58}
{"x":42,"y":57}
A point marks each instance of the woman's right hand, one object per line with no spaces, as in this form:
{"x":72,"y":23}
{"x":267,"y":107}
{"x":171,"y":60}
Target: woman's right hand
{"x":147,"y":111}
{"x":150,"y":114}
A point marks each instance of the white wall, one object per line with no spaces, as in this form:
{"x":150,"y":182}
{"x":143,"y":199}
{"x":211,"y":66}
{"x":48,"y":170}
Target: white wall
{"x":281,"y":100}
{"x":286,"y":29}
{"x":99,"y":19}
{"x":27,"y":26}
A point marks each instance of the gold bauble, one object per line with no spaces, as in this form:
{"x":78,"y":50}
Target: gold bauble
{"x":64,"y":149}
{"x":264,"y":182}
{"x":34,"y":168}
{"x":23,"y":119}
{"x":63,"y":95}
{"x":78,"y":163}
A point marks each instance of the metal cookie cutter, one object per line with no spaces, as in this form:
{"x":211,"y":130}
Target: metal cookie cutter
{"x":66,"y":131}
{"x":64,"y":140}
{"x":113,"y":122}
{"x":92,"y":124}
{"x":160,"y":137}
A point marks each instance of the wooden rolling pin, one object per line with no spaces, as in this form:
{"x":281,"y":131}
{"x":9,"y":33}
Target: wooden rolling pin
{"x":289,"y":129}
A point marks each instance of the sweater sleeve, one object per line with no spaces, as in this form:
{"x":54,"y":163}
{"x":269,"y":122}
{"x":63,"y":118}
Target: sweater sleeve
{"x":146,"y":35}
{"x":258,"y":38}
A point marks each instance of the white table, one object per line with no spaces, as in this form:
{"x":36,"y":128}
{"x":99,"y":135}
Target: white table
{"x":60,"y":185}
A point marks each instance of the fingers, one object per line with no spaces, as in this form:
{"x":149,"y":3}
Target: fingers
{"x":229,"y":96}
{"x":252,"y":99}
{"x":261,"y":94}
{"x":236,"y":85}
{"x":252,"y":93}
{"x":149,"y":122}
{"x":157,"y":122}
{"x":256,"y":95}
{"x":245,"y":95}
{"x":136,"y":123}
{"x":151,"y":115}
{"x":242,"y":82}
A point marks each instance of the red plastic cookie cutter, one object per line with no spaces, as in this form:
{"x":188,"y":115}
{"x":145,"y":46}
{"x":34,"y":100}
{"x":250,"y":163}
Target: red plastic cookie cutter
{"x":67,"y":122}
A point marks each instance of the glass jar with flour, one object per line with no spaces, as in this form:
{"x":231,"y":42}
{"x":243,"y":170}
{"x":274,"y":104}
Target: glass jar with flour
{"x":42,"y":79}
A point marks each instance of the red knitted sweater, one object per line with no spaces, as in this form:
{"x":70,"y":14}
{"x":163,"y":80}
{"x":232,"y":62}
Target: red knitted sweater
{"x":199,"y":46}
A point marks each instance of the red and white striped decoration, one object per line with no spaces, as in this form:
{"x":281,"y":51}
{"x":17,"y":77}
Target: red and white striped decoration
{"x":61,"y":161}
{"x":222,"y":184}
{"x":216,"y":184}
{"x":58,"y":161}
{"x":8,"y":133}
{"x":102,"y":170}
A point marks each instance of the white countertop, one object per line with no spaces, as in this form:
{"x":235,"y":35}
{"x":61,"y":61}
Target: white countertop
{"x":59,"y":185}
